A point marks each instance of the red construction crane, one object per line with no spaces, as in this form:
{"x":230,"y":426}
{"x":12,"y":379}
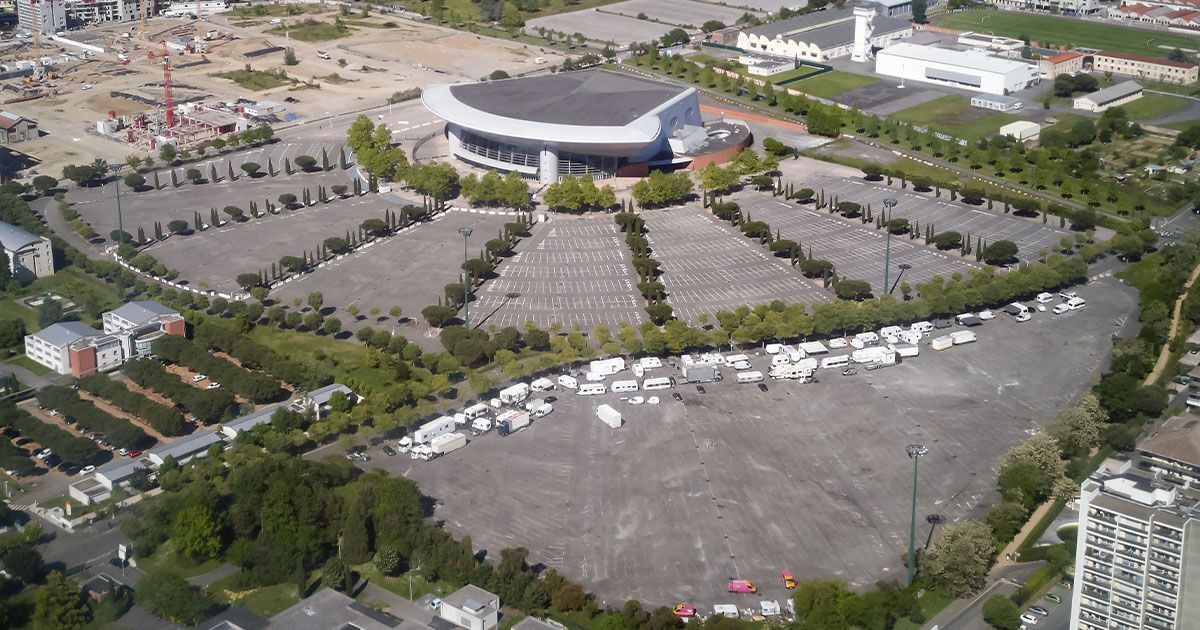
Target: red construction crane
{"x":168,"y":97}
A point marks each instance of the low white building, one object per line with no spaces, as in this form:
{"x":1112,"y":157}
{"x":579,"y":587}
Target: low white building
{"x":997,"y":102}
{"x":183,"y":451}
{"x":29,"y":256}
{"x":472,"y":608}
{"x":1111,"y":96}
{"x":263,"y":108}
{"x":966,"y":69}
{"x":188,"y":9}
{"x":1022,"y":130}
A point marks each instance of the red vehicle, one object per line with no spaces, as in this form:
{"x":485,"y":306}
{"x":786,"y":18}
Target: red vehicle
{"x":789,"y":582}
{"x":684,"y":610}
{"x":134,"y":452}
{"x":742,"y":586}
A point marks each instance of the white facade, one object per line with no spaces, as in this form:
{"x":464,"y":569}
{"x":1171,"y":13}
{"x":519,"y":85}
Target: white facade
{"x":50,"y":15}
{"x":471,"y":608}
{"x":94,"y":11}
{"x":1112,"y":96}
{"x":188,"y":9}
{"x":1062,"y":7}
{"x":825,"y":35}
{"x":968,"y":70}
{"x":29,"y":256}
{"x":1023,"y":130}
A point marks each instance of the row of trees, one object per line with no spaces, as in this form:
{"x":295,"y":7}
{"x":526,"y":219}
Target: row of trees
{"x":648,"y":269}
{"x":578,"y":194}
{"x":663,"y":189}
{"x":163,"y":419}
{"x":256,"y":386}
{"x":72,"y":449}
{"x":207,"y":405}
{"x":492,"y":190}
{"x":120,"y":433}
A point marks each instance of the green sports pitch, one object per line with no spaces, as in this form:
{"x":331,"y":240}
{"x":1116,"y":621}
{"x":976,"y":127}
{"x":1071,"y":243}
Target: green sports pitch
{"x":1047,"y":30}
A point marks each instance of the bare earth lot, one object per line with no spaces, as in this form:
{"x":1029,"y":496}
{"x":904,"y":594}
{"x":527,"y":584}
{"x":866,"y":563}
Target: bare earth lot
{"x":738,"y":483}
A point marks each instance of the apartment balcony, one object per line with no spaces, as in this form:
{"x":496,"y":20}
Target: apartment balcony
{"x":1168,"y":548}
{"x":1095,"y":554}
{"x":1159,"y":624}
{"x":1097,"y":515}
{"x":1094,"y":608}
{"x":1164,"y":562}
{"x":1167,"y":532}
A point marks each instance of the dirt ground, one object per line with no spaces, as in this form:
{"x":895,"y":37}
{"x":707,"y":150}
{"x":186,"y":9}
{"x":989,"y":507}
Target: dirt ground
{"x":366,"y":66}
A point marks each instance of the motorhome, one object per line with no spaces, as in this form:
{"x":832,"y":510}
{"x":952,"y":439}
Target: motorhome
{"x":592,"y":389}
{"x":750,"y":377}
{"x":835,"y":362}
{"x":624,"y":386}
{"x":660,"y":382}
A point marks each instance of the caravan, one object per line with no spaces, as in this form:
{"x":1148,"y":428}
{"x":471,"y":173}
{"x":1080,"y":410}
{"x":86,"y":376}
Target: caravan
{"x":542,"y":385}
{"x":592,"y":389}
{"x":620,"y":387}
{"x":570,"y":382}
{"x":515,"y":394}
{"x":660,"y":382}
{"x":476,"y":411}
{"x":607,"y":366}
{"x":750,"y":377}
{"x":835,"y":362}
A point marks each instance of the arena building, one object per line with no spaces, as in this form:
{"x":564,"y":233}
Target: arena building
{"x":594,"y":123}
{"x":966,"y":69}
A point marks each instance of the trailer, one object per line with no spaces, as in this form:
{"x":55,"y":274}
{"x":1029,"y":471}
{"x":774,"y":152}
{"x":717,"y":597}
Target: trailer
{"x":813,"y":347}
{"x":432,"y":429}
{"x":750,"y":377}
{"x":726,"y":610}
{"x":478,"y":410}
{"x":515,"y":394}
{"x":868,"y":338}
{"x":867,"y":355}
{"x":624,"y":386}
{"x":570,"y":382}
{"x":481,"y":425}
{"x":736,"y":359}
{"x":448,"y":443}
{"x":905,"y":350}
{"x":701,"y":373}
{"x":607,"y":366}
{"x":793,"y":355}
{"x":511,"y":421}
{"x":963,"y":336}
{"x":650,"y":363}
{"x":942,"y":343}
{"x":792,"y":371}
{"x":542,"y":385}
{"x":711,"y":358}
{"x":609,"y":416}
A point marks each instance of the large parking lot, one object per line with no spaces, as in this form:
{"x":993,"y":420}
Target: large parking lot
{"x":740,"y":483}
{"x":571,"y":271}
{"x":604,"y":27}
{"x":686,"y":13}
{"x":709,"y":266}
{"x":857,"y":251}
{"x":1030,"y":235}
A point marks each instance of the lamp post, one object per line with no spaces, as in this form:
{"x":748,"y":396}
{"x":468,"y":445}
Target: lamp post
{"x":888,"y":204}
{"x":903,"y":267}
{"x":915,"y":452}
{"x":466,"y":233}
{"x":115,"y":169}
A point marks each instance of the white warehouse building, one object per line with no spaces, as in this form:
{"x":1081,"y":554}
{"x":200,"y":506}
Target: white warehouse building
{"x":966,"y":69}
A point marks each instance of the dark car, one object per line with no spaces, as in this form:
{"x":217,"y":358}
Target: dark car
{"x":700,"y":389}
{"x":389,"y":451}
{"x":849,"y":372}
{"x":551,"y":399}
{"x":677,"y":397}
{"x":22,"y":441}
{"x":762,"y":387}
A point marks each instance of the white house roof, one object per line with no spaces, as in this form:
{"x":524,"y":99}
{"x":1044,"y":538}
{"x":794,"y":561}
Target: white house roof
{"x":14,"y":238}
{"x":187,"y":447}
{"x":64,"y":334}
{"x":321,"y":395}
{"x":1016,"y":128}
{"x":251,"y":420}
{"x":1113,"y":93}
{"x":968,"y":59}
{"x":142,"y":311}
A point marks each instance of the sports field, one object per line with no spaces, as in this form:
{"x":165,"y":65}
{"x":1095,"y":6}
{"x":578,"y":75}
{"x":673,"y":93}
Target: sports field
{"x":954,"y":115}
{"x":1057,"y":31}
{"x":831,"y":84}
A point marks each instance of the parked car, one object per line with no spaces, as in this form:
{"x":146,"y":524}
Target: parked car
{"x":677,"y":396}
{"x":133,"y":452}
{"x":44,"y":454}
{"x":551,"y":399}
{"x":213,"y":385}
{"x":199,"y":377}
{"x":1059,"y":309}
{"x":1054,"y":598}
{"x":1039,"y":610}
{"x":389,"y":451}
{"x":762,"y":387}
{"x":850,"y":371}
{"x":986,"y":315}
{"x":87,"y":470}
{"x":700,"y":389}
{"x":1029,"y":619}
{"x":123,"y":452}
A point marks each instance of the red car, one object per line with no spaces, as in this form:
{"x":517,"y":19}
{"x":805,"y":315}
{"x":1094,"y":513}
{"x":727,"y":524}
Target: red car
{"x":134,"y":453}
{"x":685,"y":610}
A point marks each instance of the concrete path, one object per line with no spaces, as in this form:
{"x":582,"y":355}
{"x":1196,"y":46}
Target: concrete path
{"x":397,"y":605}
{"x":205,"y":580}
{"x":1191,"y":112}
{"x":1164,"y":356}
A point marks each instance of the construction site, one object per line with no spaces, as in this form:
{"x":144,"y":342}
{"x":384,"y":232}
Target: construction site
{"x":116,"y":89}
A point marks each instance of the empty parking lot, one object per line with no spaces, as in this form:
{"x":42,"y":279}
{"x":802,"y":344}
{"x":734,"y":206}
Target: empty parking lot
{"x":602,"y":27}
{"x":709,"y":266}
{"x":857,"y":251}
{"x":738,"y":483}
{"x":571,"y":271}
{"x":686,"y":13}
{"x":1030,"y":235}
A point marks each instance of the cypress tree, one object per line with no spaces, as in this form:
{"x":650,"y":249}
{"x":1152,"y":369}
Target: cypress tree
{"x":141,"y":235}
{"x":174,"y":179}
{"x":156,"y":184}
{"x":325,"y":160}
{"x":212,"y":172}
{"x":342,"y":160}
{"x":229,"y":170}
{"x":270,"y":167}
{"x":287,"y":166}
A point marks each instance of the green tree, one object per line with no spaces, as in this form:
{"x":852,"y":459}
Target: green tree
{"x":1001,"y":252}
{"x":959,"y":560}
{"x":24,"y":563}
{"x":1001,"y":613}
{"x":336,"y":574}
{"x":289,"y":57}
{"x":168,"y":595}
{"x":717,"y":179}
{"x":59,"y":605}
{"x":168,"y":153}
{"x":196,"y":533}
{"x":250,"y":168}
{"x":388,"y":560}
{"x":819,"y":603}
{"x":44,"y":184}
{"x":356,"y":542}
{"x":49,"y":312}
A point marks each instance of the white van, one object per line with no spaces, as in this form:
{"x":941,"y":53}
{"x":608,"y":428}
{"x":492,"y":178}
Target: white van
{"x":750,"y":377}
{"x":542,"y":410}
{"x":624,"y":386}
{"x":837,"y":342}
{"x":1076,"y":303}
{"x":1043,"y":298}
{"x":835,"y":362}
{"x":592,"y":389}
{"x":568,"y":381}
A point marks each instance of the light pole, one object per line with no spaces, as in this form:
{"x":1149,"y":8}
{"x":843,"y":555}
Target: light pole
{"x":115,"y":169}
{"x":466,"y":233}
{"x":915,"y":452}
{"x":888,"y":204}
{"x":903,"y":267}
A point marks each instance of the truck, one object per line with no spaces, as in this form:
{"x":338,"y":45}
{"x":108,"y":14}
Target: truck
{"x":515,"y":394}
{"x":432,"y":429}
{"x":942,"y":343}
{"x":962,"y":336}
{"x":905,"y":350}
{"x":701,"y":373}
{"x":511,"y":421}
{"x":607,"y":366}
{"x":609,"y":416}
{"x":542,"y":385}
{"x":742,"y":586}
{"x":448,"y":443}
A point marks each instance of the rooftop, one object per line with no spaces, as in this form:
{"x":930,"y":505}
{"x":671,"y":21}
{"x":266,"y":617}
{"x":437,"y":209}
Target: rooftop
{"x":588,"y":97}
{"x":1113,"y":92}
{"x":14,"y":238}
{"x":8,"y":119}
{"x":533,"y":623}
{"x":1063,"y":57}
{"x":1178,"y":439}
{"x":1155,"y":60}
{"x":826,"y":29}
{"x":970,"y":59}
{"x":188,"y":446}
{"x":996,"y":98}
{"x":473,"y":599}
{"x":118,"y":471}
{"x":328,"y":609}
{"x":321,"y":395}
{"x":64,"y":334}
{"x":142,"y":311}
{"x":251,"y":420}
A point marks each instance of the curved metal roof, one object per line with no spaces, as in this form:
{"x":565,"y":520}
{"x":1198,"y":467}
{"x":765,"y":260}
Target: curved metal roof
{"x":14,"y":238}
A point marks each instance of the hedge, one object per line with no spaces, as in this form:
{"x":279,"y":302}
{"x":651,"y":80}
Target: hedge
{"x":256,"y":386}
{"x":72,"y":449}
{"x":15,"y":459}
{"x":166,"y":420}
{"x":120,"y":433}
{"x":208,"y":405}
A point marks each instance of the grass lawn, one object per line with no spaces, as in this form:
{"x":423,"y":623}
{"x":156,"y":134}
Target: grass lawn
{"x":166,"y":558}
{"x":81,"y":288}
{"x":1153,"y":106}
{"x":264,"y":601}
{"x":797,"y":73}
{"x":256,"y":80}
{"x":833,"y":83}
{"x":954,"y":115}
{"x":29,"y":364}
{"x":1183,"y":124}
{"x":1056,"y":31}
{"x":311,"y":31}
{"x":399,"y":584}
{"x":931,"y":604}
{"x":10,"y":309}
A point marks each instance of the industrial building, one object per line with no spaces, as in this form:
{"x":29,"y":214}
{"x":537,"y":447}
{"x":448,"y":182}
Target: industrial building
{"x":997,"y":102}
{"x":1022,"y":130}
{"x":471,"y":608}
{"x":823,"y":35}
{"x":16,"y":128}
{"x":1149,"y":68}
{"x":29,"y":255}
{"x":1056,"y":7}
{"x":966,"y":69}
{"x":1111,"y":96}
{"x":188,"y":9}
{"x":594,"y":123}
{"x":77,"y":349}
{"x":992,"y":44}
{"x":1138,"y":552}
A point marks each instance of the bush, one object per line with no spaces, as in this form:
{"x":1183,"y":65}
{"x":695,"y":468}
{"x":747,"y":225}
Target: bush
{"x":947,"y":240}
{"x":815,"y":268}
{"x":849,"y":209}
{"x":166,"y":420}
{"x":1001,"y":613}
{"x":71,"y":448}
{"x":256,"y":386}
{"x":853,"y":289}
{"x":1001,"y":252}
{"x":120,"y":433}
{"x":897,"y":226}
